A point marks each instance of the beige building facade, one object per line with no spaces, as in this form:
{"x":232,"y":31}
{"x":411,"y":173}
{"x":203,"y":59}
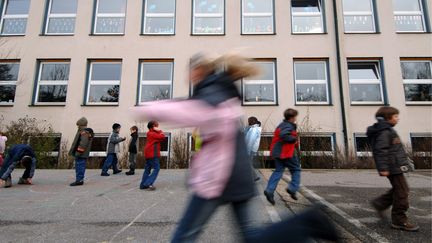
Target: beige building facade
{"x":335,"y":61}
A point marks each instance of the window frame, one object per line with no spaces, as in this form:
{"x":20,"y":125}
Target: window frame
{"x":326,"y":82}
{"x":361,"y":153}
{"x":332,"y":136}
{"x":371,"y":13}
{"x":416,"y":81}
{"x":260,"y":14}
{"x":379,"y":81}
{"x":420,"y":135}
{"x":154,"y":82}
{"x":246,"y":81}
{"x":302,"y":14}
{"x":52,"y":153}
{"x":9,"y":83}
{"x":102,"y":82}
{"x":40,"y":82}
{"x":158,"y":15}
{"x":207,"y":15}
{"x":12,"y":16}
{"x":411,"y":13}
{"x":99,"y":153}
{"x":49,"y":15}
{"x":96,"y":15}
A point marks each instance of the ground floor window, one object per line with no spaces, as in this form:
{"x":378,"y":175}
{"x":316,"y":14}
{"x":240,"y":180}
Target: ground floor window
{"x":8,"y":81}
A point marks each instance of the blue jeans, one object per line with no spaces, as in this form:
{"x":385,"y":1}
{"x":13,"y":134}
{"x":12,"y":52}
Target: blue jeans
{"x":80,"y":167}
{"x":111,"y":160}
{"x":293,"y":165}
{"x":300,"y":228}
{"x":8,"y":162}
{"x":149,"y":178}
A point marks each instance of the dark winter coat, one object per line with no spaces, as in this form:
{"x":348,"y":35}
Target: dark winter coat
{"x":387,"y":149}
{"x":81,"y":145}
{"x":133,"y":143}
{"x":284,"y":141}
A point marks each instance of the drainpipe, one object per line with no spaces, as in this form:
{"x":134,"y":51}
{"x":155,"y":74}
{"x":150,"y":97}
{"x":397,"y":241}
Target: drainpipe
{"x":339,"y":71}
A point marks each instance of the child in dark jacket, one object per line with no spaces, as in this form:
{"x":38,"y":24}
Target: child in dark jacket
{"x":391,"y":161}
{"x":80,"y":150}
{"x":152,"y":154}
{"x":20,"y":153}
{"x":113,"y":148}
{"x":133,"y":150}
{"x":283,"y":150}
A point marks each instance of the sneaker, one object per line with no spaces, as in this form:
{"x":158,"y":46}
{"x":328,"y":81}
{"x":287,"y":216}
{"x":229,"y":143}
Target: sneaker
{"x":131,"y":172}
{"x":292,"y":194}
{"x":406,"y":226}
{"x":21,"y":181}
{"x":105,"y":174}
{"x":117,"y":172}
{"x":8,"y":182}
{"x":151,"y":188}
{"x":144,"y":187}
{"x":269,"y":197}
{"x":77,"y":183}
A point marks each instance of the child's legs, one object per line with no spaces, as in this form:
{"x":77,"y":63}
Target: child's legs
{"x":147,"y":169}
{"x":26,"y":173}
{"x":400,"y":199}
{"x":132,"y":161}
{"x":384,"y":201}
{"x":6,"y":163}
{"x":276,"y":175}
{"x":80,"y":166}
{"x":156,"y":167}
{"x":115,"y":163}
{"x":295,"y":170}
{"x":108,"y":161}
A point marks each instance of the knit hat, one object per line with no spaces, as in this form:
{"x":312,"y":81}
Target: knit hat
{"x":82,"y":122}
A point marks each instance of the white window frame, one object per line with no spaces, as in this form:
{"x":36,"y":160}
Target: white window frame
{"x":260,"y":14}
{"x":359,"y":14}
{"x":421,"y":153}
{"x":361,"y":153}
{"x":411,"y":13}
{"x":312,"y":14}
{"x":108,"y":15}
{"x":99,"y":153}
{"x":318,"y":153}
{"x":417,"y":81}
{"x":12,"y":16}
{"x":8,"y":83}
{"x":367,"y":81}
{"x":102,"y":82}
{"x":154,"y":82}
{"x":51,"y":15}
{"x":208,"y":15}
{"x":326,"y":82}
{"x":158,"y":15}
{"x":49,"y":82}
{"x":247,"y":81}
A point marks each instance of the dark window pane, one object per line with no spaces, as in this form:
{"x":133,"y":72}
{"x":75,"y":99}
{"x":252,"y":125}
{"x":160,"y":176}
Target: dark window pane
{"x":17,"y":6}
{"x":7,"y":93}
{"x":106,"y":71}
{"x":309,"y":143}
{"x":421,"y":144}
{"x":418,"y":92}
{"x":46,"y":143}
{"x":305,"y":6}
{"x":365,"y":92}
{"x":63,"y":6}
{"x":311,"y":93}
{"x":310,"y":71}
{"x":104,"y":93}
{"x":259,"y":93}
{"x":416,"y":70}
{"x":366,"y":71}
{"x":99,"y":144}
{"x":52,"y":93}
{"x":265,"y":143}
{"x":9,"y":72}
{"x":55,"y":72}
{"x":155,"y":92}
{"x":142,"y":141}
{"x":157,"y":6}
{"x":362,"y":144}
{"x":157,"y":71}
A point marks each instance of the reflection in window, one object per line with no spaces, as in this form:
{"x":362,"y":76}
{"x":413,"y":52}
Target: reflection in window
{"x":257,"y":17}
{"x":358,"y":16}
{"x":104,"y":83}
{"x":311,"y":84}
{"x":61,"y":17}
{"x":110,"y":17}
{"x":408,"y":15}
{"x":307,"y":16}
{"x":208,"y":17}
{"x":261,"y":90}
{"x":8,"y":81}
{"x":52,"y":82}
{"x":365,"y":83}
{"x":156,"y":81}
{"x":417,"y":80}
{"x":14,"y":17}
{"x":159,"y":17}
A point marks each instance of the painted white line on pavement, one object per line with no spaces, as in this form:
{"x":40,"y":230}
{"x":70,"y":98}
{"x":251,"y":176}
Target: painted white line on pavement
{"x":132,"y":222}
{"x":74,"y":201}
{"x":273,"y":214}
{"x":344,"y":215}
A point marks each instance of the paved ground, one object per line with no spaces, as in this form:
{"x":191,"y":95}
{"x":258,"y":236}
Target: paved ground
{"x":108,"y":209}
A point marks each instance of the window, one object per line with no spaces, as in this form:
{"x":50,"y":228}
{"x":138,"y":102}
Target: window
{"x":307,"y":16}
{"x":110,"y":17}
{"x":315,"y":144}
{"x":8,"y":81}
{"x":61,"y":17}
{"x":359,"y":16}
{"x":14,"y":17}
{"x":52,"y":83}
{"x":417,"y":81}
{"x":47,"y":148}
{"x":208,"y":17}
{"x":362,"y":146}
{"x":311,"y":82}
{"x":261,"y":90}
{"x":421,"y":144}
{"x":408,"y":16}
{"x":257,"y":17}
{"x":159,"y":17}
{"x":99,"y":145}
{"x":104,"y":83}
{"x":365,"y":83}
{"x":155,"y":81}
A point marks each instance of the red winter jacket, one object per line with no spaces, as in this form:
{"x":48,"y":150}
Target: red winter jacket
{"x":284,"y":141}
{"x":153,"y":147}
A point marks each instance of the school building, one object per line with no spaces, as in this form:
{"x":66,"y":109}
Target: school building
{"x":336,"y":61}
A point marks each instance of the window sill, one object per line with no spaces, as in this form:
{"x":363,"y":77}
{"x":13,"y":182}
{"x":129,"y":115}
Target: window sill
{"x":258,"y":34}
{"x":99,"y":105}
{"x":6,"y":35}
{"x":107,"y":34}
{"x":193,"y":34}
{"x":362,"y":33}
{"x":156,"y":34}
{"x":44,"y":105}
{"x":414,"y":32}
{"x":324,"y":33}
{"x":311,"y":104}
{"x":370,"y":104}
{"x":56,"y":34}
{"x":6,"y":104}
{"x":419,"y":104}
{"x":255,"y":104}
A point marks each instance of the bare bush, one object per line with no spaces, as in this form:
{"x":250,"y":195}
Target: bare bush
{"x":65,"y":161}
{"x":179,"y":151}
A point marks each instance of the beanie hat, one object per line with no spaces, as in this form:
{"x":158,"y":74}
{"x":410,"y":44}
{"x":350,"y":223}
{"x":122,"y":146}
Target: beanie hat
{"x":82,"y":122}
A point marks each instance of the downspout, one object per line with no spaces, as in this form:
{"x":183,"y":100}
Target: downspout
{"x":339,"y":71}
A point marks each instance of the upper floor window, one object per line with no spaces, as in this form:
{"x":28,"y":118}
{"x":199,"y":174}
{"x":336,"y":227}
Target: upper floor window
{"x":8,"y":81}
{"x":365,"y":82}
{"x":14,"y":17}
{"x":359,"y":16}
{"x":417,"y":81}
{"x":159,"y":17}
{"x":307,"y":16}
{"x":104,"y":83}
{"x":61,"y":17}
{"x":409,"y":16}
{"x":208,"y":17}
{"x":311,"y":82}
{"x":261,"y":90}
{"x":257,"y":17}
{"x":110,"y":17}
{"x":51,"y":87}
{"x":156,"y":80}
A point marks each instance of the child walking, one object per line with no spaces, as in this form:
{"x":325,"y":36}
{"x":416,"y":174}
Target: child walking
{"x":283,"y":150}
{"x":391,"y":161}
{"x":152,"y":154}
{"x":113,"y":147}
{"x":133,"y":150}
